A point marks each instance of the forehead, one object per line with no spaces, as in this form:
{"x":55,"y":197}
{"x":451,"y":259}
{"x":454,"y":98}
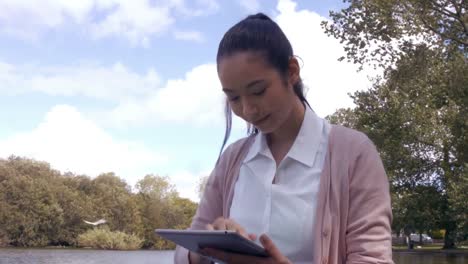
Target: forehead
{"x":242,"y":67}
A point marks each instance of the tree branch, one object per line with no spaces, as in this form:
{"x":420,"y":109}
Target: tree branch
{"x":445,"y":36}
{"x":441,"y":9}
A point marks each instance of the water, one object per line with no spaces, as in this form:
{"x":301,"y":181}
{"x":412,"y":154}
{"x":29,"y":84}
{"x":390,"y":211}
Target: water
{"x":438,"y":258}
{"x":79,"y":256}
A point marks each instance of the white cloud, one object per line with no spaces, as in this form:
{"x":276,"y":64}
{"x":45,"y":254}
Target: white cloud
{"x":70,"y":142}
{"x":195,"y":36}
{"x":115,"y":82}
{"x":329,"y":81}
{"x":250,"y":6}
{"x":187,"y":183}
{"x":197,"y":8}
{"x":197,"y":98}
{"x":136,"y":20}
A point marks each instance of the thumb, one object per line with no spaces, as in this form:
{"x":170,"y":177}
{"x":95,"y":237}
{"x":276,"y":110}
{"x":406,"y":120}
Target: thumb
{"x":271,"y":248}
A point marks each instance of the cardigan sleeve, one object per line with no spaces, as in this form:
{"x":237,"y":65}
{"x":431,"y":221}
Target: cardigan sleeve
{"x":209,"y":208}
{"x":368,"y":234}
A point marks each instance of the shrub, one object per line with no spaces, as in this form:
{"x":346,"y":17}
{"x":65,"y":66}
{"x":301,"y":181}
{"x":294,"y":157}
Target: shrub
{"x":4,"y":241}
{"x":437,"y":234}
{"x":103,"y":238}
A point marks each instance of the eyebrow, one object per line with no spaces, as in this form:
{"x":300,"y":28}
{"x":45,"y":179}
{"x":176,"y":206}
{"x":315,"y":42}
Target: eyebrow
{"x":252,"y":83}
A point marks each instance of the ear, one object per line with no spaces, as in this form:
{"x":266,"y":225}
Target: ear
{"x":294,"y":71}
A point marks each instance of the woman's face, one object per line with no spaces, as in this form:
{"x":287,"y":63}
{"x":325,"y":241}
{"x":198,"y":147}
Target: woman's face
{"x":256,"y":91}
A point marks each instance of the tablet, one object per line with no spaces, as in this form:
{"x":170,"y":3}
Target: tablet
{"x":226,"y":240}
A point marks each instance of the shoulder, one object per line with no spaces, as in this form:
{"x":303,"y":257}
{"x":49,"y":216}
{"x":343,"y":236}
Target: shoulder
{"x":358,"y":152}
{"x":345,"y":140}
{"x":237,"y":145}
{"x":234,"y":150}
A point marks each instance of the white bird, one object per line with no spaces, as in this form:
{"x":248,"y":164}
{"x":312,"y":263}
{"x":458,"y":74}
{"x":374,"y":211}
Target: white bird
{"x":98,"y":222}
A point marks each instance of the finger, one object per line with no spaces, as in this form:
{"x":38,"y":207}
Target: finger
{"x":209,"y":227}
{"x":219,"y":224}
{"x":232,"y":225}
{"x":271,"y":248}
{"x":253,"y":237}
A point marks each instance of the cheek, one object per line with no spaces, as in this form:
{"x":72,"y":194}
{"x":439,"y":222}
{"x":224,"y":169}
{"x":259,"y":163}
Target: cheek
{"x":236,"y":108}
{"x":280,"y":105}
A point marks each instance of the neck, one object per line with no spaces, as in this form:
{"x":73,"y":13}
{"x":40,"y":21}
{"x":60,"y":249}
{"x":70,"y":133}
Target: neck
{"x":287,"y":133}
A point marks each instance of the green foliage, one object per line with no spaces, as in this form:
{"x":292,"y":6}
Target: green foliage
{"x":103,"y":238}
{"x":416,"y":113}
{"x":379,"y":32}
{"x":459,"y":200}
{"x":40,"y":206}
{"x":437,"y":234}
{"x":162,"y":207}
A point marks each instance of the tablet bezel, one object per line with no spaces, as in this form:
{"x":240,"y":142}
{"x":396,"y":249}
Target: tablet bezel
{"x":226,"y":240}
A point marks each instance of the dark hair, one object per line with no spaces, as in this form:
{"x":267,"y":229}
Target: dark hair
{"x":258,"y":33}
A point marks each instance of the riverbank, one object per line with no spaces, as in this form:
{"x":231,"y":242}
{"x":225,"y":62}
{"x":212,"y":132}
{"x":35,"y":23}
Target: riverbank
{"x":85,"y":256}
{"x":422,"y":251}
{"x":79,"y":248}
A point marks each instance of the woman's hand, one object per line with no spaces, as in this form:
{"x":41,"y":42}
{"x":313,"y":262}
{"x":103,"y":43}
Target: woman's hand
{"x":275,"y":255}
{"x":229,"y":224}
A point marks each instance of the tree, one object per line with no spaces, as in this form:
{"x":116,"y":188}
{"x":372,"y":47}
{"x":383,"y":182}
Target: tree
{"x":416,"y":118}
{"x":113,"y":201}
{"x":416,"y":112}
{"x":31,"y":214}
{"x":379,"y":32}
{"x":40,"y":206}
{"x":155,"y":194}
{"x":459,"y":202}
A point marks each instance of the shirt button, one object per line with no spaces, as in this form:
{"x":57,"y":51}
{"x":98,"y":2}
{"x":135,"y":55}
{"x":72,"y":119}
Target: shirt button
{"x":325,"y":233}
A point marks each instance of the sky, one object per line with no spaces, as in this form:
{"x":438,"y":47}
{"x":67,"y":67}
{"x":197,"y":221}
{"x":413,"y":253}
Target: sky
{"x":131,"y":87}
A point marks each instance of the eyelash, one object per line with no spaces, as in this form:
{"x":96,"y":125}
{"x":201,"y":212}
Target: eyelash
{"x":235,"y":98}
{"x":260,"y":93}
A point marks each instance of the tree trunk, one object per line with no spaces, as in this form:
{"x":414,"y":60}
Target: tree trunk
{"x":449,"y":239}
{"x":409,"y":242}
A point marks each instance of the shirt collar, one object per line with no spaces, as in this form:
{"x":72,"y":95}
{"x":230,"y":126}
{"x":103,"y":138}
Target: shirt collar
{"x":307,"y":143}
{"x":305,"y":146}
{"x":259,"y":147}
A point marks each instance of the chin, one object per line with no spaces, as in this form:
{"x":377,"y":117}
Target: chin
{"x":266,"y":129}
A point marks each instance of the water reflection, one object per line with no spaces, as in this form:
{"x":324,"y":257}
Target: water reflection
{"x":77,"y":256}
{"x":418,"y":258}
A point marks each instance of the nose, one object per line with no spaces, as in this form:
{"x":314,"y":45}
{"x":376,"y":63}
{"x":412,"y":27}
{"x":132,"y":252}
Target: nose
{"x":250,"y":110}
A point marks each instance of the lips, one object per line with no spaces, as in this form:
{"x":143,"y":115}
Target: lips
{"x":260,"y":121}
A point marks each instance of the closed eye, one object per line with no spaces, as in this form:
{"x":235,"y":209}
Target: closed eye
{"x":260,"y":92}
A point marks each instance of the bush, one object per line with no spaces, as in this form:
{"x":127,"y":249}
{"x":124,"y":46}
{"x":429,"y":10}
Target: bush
{"x":103,"y":238}
{"x":4,"y":241}
{"x":437,"y":234}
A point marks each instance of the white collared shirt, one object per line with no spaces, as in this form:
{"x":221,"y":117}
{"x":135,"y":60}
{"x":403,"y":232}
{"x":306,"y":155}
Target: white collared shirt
{"x":285,"y":210}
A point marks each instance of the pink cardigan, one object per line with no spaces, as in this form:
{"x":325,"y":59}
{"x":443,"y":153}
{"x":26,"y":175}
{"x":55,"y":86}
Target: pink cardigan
{"x":353,"y":215}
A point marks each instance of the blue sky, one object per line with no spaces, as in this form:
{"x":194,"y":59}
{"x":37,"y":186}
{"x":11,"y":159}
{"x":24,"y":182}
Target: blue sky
{"x":94,"y":86}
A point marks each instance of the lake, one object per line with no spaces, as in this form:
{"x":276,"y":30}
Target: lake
{"x":85,"y":256}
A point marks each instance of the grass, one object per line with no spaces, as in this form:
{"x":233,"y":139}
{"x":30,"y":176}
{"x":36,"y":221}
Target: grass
{"x":431,"y":248}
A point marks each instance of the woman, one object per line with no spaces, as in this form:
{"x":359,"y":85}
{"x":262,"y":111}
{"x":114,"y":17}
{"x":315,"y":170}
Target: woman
{"x":308,"y":191}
